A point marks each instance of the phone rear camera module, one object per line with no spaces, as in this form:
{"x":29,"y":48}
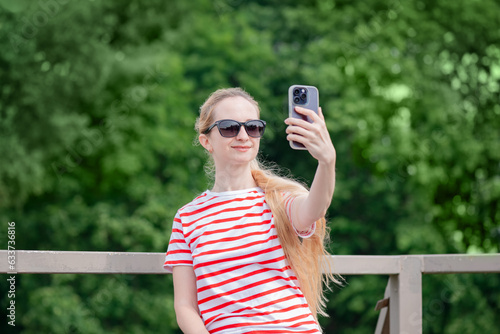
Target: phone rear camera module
{"x":300,"y":95}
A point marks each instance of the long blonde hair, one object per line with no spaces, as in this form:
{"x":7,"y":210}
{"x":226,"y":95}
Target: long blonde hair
{"x":305,"y":256}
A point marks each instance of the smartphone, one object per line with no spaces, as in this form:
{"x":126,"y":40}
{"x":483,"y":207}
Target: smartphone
{"x":302,"y":96}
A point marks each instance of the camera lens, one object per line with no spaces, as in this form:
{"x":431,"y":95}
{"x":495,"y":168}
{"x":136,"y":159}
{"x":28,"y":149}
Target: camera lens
{"x":303,"y":96}
{"x":296,"y":91}
{"x":296,"y":99}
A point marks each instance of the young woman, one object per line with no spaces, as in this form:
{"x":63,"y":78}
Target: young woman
{"x":246,"y":255}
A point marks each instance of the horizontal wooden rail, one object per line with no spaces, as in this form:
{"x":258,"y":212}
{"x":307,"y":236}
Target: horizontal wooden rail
{"x":400,"y":310}
{"x":70,"y":262}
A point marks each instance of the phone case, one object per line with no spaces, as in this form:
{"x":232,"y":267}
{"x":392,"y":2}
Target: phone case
{"x":311,"y":102}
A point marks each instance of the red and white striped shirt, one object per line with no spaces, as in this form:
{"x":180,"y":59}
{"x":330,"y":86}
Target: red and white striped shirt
{"x":244,"y":282}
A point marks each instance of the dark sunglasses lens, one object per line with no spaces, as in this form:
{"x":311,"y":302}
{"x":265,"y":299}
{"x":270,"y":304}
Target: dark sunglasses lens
{"x":229,"y":128}
{"x":255,"y":128}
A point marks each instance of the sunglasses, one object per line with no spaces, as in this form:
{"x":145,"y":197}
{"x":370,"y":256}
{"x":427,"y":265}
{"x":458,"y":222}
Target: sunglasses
{"x":230,"y":128}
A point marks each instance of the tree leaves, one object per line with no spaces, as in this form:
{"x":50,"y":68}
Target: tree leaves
{"x":99,"y":99}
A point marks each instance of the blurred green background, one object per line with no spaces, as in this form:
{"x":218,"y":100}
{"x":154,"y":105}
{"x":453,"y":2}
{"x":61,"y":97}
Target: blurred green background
{"x":97,"y":106}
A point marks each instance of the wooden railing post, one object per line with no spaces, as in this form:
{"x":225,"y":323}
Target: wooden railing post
{"x":406,"y":297}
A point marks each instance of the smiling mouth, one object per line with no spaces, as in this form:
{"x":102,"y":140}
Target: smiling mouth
{"x":241,"y":148}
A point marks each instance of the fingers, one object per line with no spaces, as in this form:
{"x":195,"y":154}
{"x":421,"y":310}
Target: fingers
{"x":310,"y":132}
{"x":302,"y":131}
{"x":320,"y":113}
{"x":292,"y":129}
{"x":315,"y":118}
{"x":308,"y":112}
{"x":314,"y":136}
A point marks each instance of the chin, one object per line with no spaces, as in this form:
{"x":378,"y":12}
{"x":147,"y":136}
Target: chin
{"x":245,"y":158}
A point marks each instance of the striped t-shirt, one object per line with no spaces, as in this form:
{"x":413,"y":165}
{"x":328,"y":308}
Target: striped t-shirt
{"x":244,"y":282}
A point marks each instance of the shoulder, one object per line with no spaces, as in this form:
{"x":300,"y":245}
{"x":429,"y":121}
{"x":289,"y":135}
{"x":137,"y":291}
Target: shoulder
{"x":198,"y":201}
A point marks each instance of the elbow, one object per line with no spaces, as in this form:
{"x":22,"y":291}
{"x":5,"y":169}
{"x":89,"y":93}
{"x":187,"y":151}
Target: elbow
{"x":314,"y":217}
{"x":308,"y":220}
{"x":178,"y":313}
{"x":322,"y":214}
{"x":314,"y":213}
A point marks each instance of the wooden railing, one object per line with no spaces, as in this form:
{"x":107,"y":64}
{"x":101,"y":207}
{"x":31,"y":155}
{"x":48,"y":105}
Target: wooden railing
{"x":400,"y":309}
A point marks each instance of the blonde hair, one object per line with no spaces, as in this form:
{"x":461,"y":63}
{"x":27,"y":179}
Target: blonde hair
{"x":305,"y":256}
{"x":205,"y":119}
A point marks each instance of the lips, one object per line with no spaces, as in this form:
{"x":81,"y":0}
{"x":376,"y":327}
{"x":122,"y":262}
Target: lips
{"x":241,"y":148}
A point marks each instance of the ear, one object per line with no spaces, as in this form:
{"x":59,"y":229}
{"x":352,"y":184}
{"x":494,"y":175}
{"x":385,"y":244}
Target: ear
{"x":203,"y":138}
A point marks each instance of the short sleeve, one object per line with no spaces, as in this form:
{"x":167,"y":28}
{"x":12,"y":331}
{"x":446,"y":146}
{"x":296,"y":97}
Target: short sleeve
{"x":288,"y":199}
{"x":178,"y":252}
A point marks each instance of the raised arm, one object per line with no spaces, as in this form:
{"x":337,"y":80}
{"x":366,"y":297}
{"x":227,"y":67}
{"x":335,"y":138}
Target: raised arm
{"x":315,"y":137}
{"x":186,"y":302}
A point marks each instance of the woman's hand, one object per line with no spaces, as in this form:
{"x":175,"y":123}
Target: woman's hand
{"x":314,"y":136}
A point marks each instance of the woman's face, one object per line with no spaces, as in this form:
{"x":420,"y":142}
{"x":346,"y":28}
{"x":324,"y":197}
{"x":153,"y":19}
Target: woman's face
{"x":238,"y":150}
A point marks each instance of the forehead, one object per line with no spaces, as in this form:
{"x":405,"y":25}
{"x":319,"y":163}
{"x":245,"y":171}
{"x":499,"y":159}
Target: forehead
{"x":237,"y":108}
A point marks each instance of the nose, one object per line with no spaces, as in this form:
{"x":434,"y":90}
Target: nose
{"x":242,"y":134}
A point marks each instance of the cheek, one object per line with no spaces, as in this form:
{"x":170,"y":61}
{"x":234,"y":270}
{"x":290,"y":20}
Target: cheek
{"x":257,"y":144}
{"x":220,"y":144}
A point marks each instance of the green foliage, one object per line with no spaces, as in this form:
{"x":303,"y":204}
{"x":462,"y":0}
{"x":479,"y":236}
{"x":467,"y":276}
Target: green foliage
{"x":97,"y":106}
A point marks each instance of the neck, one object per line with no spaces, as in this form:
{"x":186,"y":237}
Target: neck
{"x":231,"y":178}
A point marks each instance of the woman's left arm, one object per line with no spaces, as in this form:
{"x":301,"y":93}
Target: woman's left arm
{"x":314,"y":136}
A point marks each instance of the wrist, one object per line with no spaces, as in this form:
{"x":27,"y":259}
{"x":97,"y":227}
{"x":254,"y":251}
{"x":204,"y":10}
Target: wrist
{"x":328,"y":162}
